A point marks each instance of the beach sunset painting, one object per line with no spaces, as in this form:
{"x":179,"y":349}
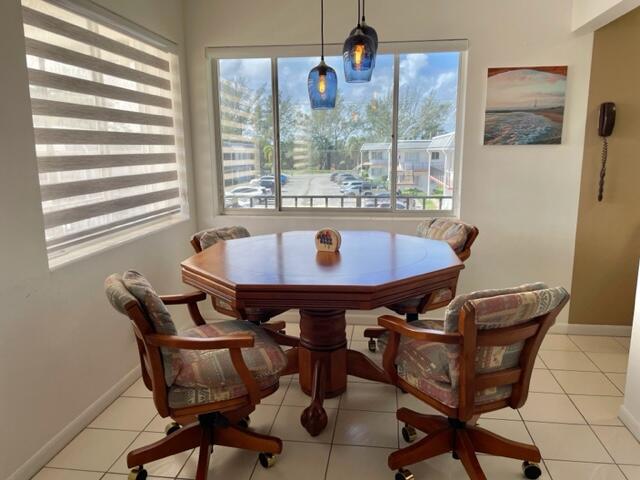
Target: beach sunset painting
{"x":525,"y":105}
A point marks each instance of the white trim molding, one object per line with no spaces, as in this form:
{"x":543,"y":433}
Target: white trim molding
{"x":630,"y":421}
{"x":50,"y":449}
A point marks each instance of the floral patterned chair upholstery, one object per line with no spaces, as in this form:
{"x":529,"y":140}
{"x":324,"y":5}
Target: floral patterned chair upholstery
{"x":460,"y":236}
{"x":207,"y":378}
{"x":478,"y":360}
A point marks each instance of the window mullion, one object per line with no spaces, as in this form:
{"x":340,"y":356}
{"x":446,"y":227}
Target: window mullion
{"x":394,"y":132}
{"x":276,"y":133}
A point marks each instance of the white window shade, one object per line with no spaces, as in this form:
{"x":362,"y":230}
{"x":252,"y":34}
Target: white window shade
{"x":107,"y":123}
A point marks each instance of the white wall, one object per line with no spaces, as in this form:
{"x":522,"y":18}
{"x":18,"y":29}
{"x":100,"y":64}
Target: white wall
{"x":630,"y":410}
{"x":61,"y":344}
{"x":590,"y":15}
{"x":523,"y":199}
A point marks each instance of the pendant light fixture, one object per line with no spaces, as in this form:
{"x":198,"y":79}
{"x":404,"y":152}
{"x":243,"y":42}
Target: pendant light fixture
{"x":359,"y":53}
{"x":323,"y":81}
{"x":368,"y":30}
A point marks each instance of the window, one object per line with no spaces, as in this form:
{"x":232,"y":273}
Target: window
{"x":347,"y":158}
{"x":106,"y":102}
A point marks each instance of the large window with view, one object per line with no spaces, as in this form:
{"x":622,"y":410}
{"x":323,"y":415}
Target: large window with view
{"x":388,"y":145}
{"x":105,"y":99}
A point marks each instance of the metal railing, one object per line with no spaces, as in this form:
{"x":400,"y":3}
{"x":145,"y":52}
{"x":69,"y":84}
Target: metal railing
{"x":404,"y":202}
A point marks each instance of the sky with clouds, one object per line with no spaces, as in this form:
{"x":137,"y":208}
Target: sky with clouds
{"x":433,"y":72}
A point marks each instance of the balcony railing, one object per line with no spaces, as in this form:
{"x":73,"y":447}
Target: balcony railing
{"x":404,"y":202}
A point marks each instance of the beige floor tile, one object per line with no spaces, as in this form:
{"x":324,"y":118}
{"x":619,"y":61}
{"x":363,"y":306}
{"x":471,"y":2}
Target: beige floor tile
{"x":375,"y":429}
{"x":293,"y":329}
{"x":511,"y":429}
{"x":299,"y":460}
{"x":94,"y":450}
{"x":503,"y":414}
{"x":610,"y":362}
{"x":126,"y":413}
{"x":350,"y":462}
{"x":623,"y":447}
{"x":370,"y":396}
{"x":598,"y":344}
{"x":262,"y":418}
{"x":568,"y":442}
{"x":583,"y":471}
{"x":559,"y":342}
{"x":349,"y":331}
{"x":559,"y":360}
{"x":585,"y":383}
{"x":358,"y":332}
{"x":277,"y":397}
{"x":362,"y":346}
{"x":225,"y":463}
{"x":599,"y":410}
{"x":632,"y":472}
{"x":60,"y":474}
{"x":618,"y":379}
{"x":406,"y":400}
{"x":624,"y":341}
{"x":550,"y":407}
{"x":295,"y":397}
{"x":543,"y":381}
{"x":539,"y":364}
{"x":158,"y":424}
{"x":287,"y":426}
{"x":138,"y":389}
{"x":165,"y":467}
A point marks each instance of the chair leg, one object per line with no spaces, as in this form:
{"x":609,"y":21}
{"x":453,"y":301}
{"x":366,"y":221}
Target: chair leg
{"x":465,"y":450}
{"x":493,"y":444}
{"x":432,"y":445}
{"x":204,"y":455}
{"x":184,"y":439}
{"x":425,"y":423}
{"x":236,"y":437}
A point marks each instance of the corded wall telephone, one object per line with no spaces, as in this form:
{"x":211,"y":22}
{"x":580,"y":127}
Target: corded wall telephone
{"x":606,"y":123}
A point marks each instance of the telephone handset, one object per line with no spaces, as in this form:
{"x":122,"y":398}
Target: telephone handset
{"x":606,"y":123}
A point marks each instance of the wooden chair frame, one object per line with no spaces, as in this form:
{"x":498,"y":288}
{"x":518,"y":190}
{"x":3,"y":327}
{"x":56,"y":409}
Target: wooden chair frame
{"x":456,"y":431}
{"x":203,"y":425}
{"x":275,"y":329}
{"x":425,"y":304}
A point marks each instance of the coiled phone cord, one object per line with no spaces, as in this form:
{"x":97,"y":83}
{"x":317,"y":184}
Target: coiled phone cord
{"x":603,"y":168}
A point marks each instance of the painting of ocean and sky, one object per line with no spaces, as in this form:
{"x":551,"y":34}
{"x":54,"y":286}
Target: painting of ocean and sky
{"x":525,"y":105}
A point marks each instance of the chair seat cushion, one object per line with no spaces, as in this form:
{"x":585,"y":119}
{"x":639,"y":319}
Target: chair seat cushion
{"x":209,"y":376}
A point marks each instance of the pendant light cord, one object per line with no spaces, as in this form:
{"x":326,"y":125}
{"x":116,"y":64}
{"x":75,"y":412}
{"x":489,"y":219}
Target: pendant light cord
{"x":362,"y":10}
{"x":322,"y":29}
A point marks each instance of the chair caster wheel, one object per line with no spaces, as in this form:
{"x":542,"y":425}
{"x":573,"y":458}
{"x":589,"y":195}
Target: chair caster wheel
{"x":373,"y":346}
{"x":244,"y":422}
{"x":531,"y":470}
{"x":171,"y":427}
{"x":137,"y":473}
{"x":267,"y":460}
{"x":404,"y":474}
{"x":409,"y":433}
{"x":455,"y":456}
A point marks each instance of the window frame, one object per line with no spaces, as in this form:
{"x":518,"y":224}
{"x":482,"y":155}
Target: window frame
{"x":111,"y":238}
{"x":273,"y":52}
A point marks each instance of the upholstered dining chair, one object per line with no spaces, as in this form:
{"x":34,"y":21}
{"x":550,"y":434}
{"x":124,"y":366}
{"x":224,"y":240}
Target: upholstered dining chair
{"x":480,"y":361}
{"x":460,"y":236}
{"x":207,"y":378}
{"x":209,"y":237}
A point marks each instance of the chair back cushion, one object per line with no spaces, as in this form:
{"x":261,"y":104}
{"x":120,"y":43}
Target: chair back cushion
{"x":134,"y":286}
{"x":511,"y":307}
{"x":207,"y":238}
{"x":455,"y":232}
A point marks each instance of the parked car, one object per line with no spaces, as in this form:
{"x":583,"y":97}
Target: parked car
{"x":358,"y":188}
{"x":268,"y":181}
{"x":351,"y":184}
{"x":234,"y":196}
{"x":345,"y":177}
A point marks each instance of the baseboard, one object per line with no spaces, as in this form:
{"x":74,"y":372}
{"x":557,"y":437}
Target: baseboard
{"x":630,"y":421}
{"x":583,"y":329}
{"x":62,"y":438}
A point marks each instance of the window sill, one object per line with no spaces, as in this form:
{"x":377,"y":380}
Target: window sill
{"x":108,"y":242}
{"x":328,"y":214}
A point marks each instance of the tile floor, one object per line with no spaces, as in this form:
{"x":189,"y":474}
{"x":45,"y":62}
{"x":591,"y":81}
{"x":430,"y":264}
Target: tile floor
{"x":571,"y":415}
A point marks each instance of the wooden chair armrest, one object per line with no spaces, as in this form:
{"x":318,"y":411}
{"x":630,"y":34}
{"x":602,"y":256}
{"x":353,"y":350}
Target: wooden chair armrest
{"x":182,"y":298}
{"x":234,"y":340}
{"x":400,"y":326}
{"x":191,"y":299}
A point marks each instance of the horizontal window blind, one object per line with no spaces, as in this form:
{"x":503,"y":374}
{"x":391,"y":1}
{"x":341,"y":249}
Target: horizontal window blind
{"x":107,"y":123}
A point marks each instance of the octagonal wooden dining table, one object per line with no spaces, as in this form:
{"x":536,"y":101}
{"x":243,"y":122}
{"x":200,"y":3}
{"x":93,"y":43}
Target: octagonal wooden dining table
{"x":284,"y":271}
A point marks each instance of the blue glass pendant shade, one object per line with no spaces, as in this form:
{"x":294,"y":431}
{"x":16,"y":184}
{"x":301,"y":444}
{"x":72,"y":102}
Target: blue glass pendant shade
{"x":323,"y":86}
{"x":358,"y":54}
{"x":369,"y":31}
